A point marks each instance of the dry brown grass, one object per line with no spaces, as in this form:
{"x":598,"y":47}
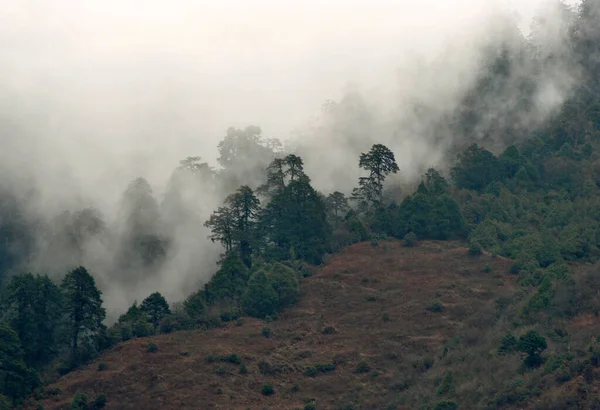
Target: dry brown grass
{"x":408,"y":353}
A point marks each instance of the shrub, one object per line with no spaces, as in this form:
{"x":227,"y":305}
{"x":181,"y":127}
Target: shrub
{"x":243,"y":369}
{"x":267,"y":389}
{"x":310,"y":371}
{"x":362,"y":367}
{"x":260,"y":299}
{"x":166,"y":325}
{"x":385,"y":316}
{"x":435,"y":307}
{"x":475,"y":249}
{"x":126,"y":333}
{"x":232,"y":358}
{"x":447,"y":385}
{"x":310,"y":406}
{"x":508,"y":344}
{"x":266,"y":332}
{"x":101,"y":366}
{"x":371,"y":298}
{"x":99,"y":402}
{"x":152,"y":347}
{"x":329,"y":330}
{"x":532,"y":344}
{"x":79,"y":402}
{"x":487,"y":268}
{"x":446,"y":405}
{"x":410,"y":240}
{"x":325,"y":367}
{"x":210,"y":358}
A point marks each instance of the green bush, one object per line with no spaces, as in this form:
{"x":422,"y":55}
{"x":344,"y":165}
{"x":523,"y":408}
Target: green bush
{"x":243,"y":369}
{"x":410,"y":240}
{"x":325,"y":367}
{"x":232,"y":358}
{"x":446,"y":387}
{"x":102,"y":366}
{"x":310,"y":406}
{"x":152,"y":347}
{"x":385,"y":316}
{"x":475,"y":249}
{"x":446,"y":405}
{"x":532,"y":344}
{"x":267,"y":389}
{"x":99,"y":402}
{"x":435,"y":307}
{"x":79,"y":402}
{"x":329,"y":330}
{"x":260,"y":299}
{"x":362,"y":367}
{"x":310,"y":371}
{"x":266,"y":332}
{"x":508,"y":344}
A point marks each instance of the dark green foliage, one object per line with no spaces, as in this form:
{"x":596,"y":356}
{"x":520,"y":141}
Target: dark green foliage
{"x":33,"y":307}
{"x":243,"y":369}
{"x":266,"y":332}
{"x":475,"y":249}
{"x":532,"y":344}
{"x":18,"y":379}
{"x":325,"y":367}
{"x":229,"y":283}
{"x":79,"y":402}
{"x":446,"y":387}
{"x":362,"y":367}
{"x":152,"y":348}
{"x":410,"y":240}
{"x":99,"y":402}
{"x":232,"y":358}
{"x":194,"y":304}
{"x":294,"y":223}
{"x":446,"y":405}
{"x":285,"y":283}
{"x":380,"y":162}
{"x":508,"y":344}
{"x":267,"y":389}
{"x":435,"y":307}
{"x":310,"y":406}
{"x":83,"y":305}
{"x":102,"y":366}
{"x":311,"y":371}
{"x":260,"y":299}
{"x":476,"y":168}
{"x":156,"y":307}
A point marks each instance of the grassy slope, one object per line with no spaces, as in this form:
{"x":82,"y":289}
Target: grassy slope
{"x":405,"y":353}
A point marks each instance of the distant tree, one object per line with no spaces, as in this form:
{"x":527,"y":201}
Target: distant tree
{"x":16,"y":379}
{"x":380,"y":162}
{"x":194,"y":304}
{"x":296,"y":219}
{"x":229,"y":282}
{"x":260,"y":299}
{"x":475,"y":169}
{"x":295,"y":167}
{"x":532,"y":344}
{"x":83,"y":305}
{"x":284,"y":282}
{"x":221,"y":224}
{"x":156,"y":307}
{"x":337,"y":203}
{"x":33,"y":307}
{"x":435,"y":183}
{"x":244,"y":207}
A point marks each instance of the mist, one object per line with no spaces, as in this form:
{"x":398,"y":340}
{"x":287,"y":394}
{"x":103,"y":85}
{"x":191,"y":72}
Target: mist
{"x":96,"y":94}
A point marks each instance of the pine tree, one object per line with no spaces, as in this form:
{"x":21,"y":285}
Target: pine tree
{"x":16,"y":379}
{"x":83,"y":305}
{"x":156,"y":307}
{"x":380,"y":162}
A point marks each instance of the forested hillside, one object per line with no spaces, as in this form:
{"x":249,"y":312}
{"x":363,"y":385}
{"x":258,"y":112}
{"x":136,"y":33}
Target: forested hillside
{"x":521,"y":196}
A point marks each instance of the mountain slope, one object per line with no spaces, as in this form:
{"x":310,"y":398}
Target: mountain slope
{"x":393,"y":321}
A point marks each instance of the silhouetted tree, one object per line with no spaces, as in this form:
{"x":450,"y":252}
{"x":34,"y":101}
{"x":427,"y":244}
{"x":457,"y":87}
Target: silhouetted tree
{"x":156,"y":307}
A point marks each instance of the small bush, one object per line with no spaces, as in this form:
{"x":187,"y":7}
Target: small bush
{"x":99,"y":402}
{"x":362,"y":367}
{"x":239,"y":322}
{"x":221,"y":371}
{"x":310,"y":406}
{"x":102,"y":366}
{"x":232,"y":358}
{"x":385,"y":316}
{"x":152,"y":348}
{"x":243,"y":369}
{"x":371,"y":298}
{"x":475,"y":249}
{"x":266,"y":332}
{"x":435,"y":307}
{"x":79,"y":402}
{"x":410,"y":240}
{"x":267,"y":389}
{"x":487,"y":268}
{"x":210,"y":358}
{"x":310,"y":371}
{"x":508,"y":344}
{"x":325,"y":367}
{"x":447,"y":385}
{"x":329,"y":330}
{"x":446,"y":405}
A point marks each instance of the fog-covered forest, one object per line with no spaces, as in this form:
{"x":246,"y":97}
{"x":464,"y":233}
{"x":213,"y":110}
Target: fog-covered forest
{"x":490,"y":137}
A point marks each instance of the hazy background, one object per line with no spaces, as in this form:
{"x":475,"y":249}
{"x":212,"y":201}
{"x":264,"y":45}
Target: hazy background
{"x":96,"y":93}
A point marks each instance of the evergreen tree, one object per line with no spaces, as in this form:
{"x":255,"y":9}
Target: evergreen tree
{"x":156,"y":307}
{"x":229,"y":282}
{"x":33,"y":308}
{"x":83,"y":305}
{"x":16,"y":379}
{"x":260,"y":299}
{"x":380,"y":162}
